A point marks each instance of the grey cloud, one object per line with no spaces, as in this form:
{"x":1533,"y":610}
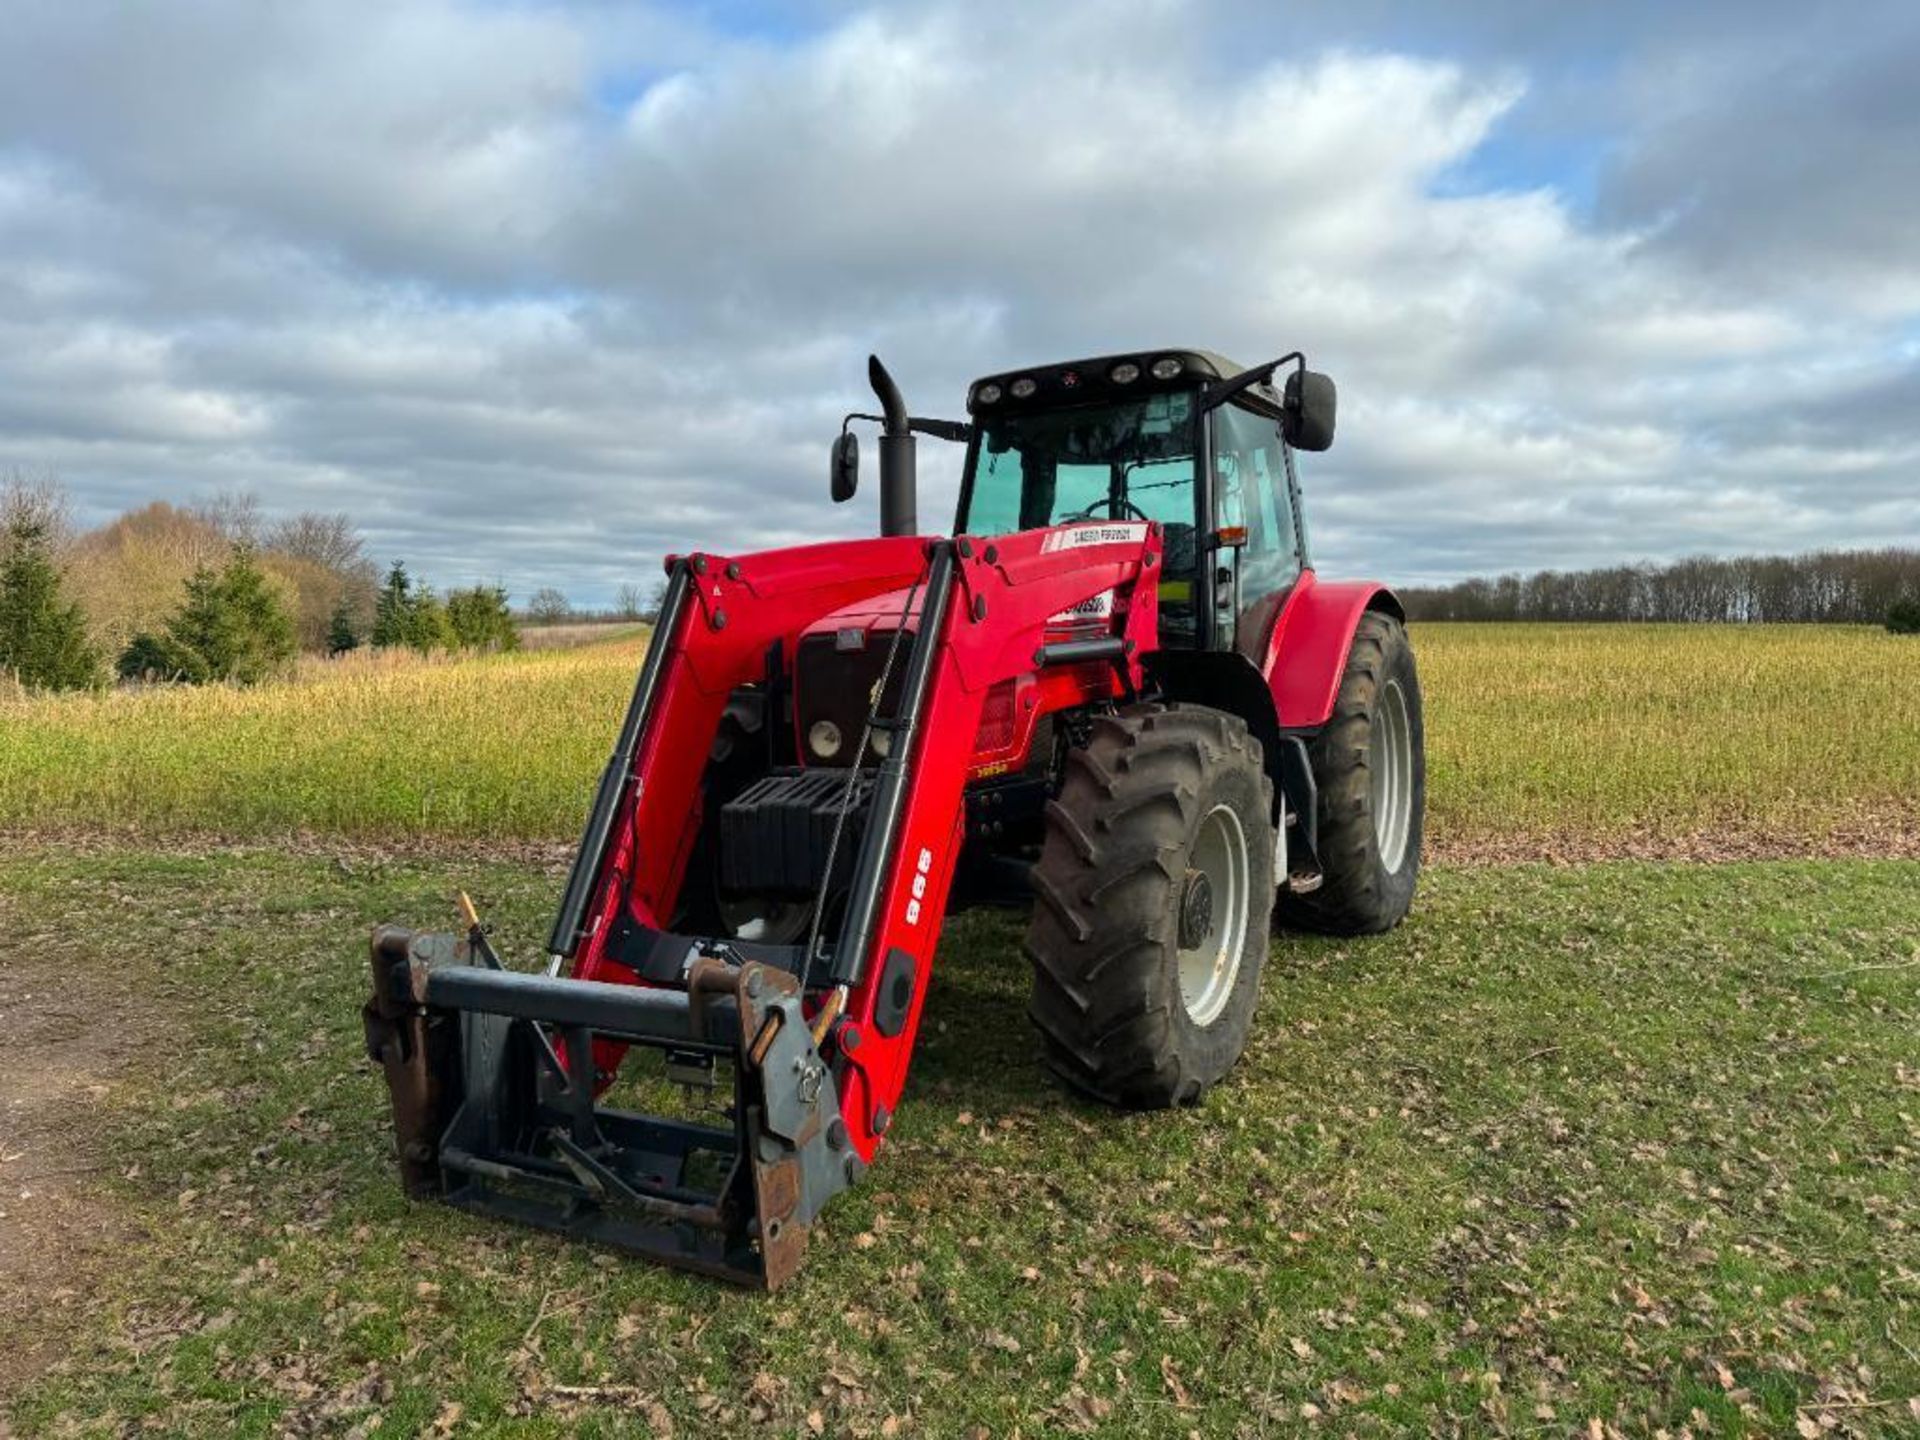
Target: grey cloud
{"x":412,"y":262}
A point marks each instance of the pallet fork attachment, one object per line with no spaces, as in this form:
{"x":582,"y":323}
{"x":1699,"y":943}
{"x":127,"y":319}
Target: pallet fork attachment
{"x":490,"y":1118}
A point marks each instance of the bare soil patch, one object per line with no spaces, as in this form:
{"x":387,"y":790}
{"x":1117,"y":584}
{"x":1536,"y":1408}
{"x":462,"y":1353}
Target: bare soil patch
{"x":1886,"y":836}
{"x":71,"y":1039}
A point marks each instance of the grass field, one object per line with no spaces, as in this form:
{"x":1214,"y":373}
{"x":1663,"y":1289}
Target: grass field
{"x":1534,"y":733}
{"x":1625,"y":1144}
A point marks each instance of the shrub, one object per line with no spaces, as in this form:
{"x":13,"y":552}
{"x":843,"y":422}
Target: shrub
{"x":1903,"y":616}
{"x":43,"y":635}
{"x":154,"y":657}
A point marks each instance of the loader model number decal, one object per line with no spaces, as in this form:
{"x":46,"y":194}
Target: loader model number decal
{"x":1094,"y":607}
{"x":919,"y":888}
{"x":1078,"y":538}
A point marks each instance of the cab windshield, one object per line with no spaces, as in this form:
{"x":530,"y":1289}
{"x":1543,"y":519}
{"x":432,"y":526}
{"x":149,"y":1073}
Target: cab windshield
{"x":1125,"y":460}
{"x":1130,"y":460}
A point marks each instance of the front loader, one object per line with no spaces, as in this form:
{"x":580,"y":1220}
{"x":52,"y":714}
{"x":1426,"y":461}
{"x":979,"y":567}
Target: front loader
{"x":1117,"y":695}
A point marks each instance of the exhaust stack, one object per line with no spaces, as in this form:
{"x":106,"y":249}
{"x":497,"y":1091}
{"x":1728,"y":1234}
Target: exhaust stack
{"x":899,"y":486}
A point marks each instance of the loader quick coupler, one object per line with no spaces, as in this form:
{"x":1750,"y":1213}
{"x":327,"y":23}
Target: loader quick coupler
{"x":493,"y":1080}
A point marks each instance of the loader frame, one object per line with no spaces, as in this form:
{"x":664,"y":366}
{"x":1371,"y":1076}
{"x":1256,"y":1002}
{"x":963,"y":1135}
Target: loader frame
{"x":495,"y":1075}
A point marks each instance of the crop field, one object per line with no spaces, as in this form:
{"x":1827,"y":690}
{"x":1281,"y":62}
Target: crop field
{"x":1537,"y":736}
{"x":1617,"y":1145}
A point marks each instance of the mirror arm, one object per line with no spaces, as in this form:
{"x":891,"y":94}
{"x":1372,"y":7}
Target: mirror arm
{"x":958,"y":431}
{"x":1218,"y":394}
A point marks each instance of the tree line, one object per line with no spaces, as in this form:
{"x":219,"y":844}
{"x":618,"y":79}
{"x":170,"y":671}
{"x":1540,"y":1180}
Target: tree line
{"x":1855,"y":587}
{"x":215,"y":592}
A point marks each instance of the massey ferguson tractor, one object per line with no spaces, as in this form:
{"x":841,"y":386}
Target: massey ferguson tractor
{"x":1117,"y":694}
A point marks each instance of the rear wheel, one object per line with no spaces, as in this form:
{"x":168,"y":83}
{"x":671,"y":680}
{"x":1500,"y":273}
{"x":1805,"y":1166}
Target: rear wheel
{"x":1369,"y":764}
{"x":1151,"y":905}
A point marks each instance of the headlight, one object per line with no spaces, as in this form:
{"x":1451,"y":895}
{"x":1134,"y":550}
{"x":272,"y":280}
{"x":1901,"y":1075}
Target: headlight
{"x":986,"y":395}
{"x":1125,"y":373}
{"x":824,"y":739}
{"x":1023,"y":387}
{"x":882,"y":742}
{"x":1167,"y":367}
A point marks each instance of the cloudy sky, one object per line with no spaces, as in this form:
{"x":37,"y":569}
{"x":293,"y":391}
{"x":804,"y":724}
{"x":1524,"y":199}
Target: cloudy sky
{"x":537,"y":292}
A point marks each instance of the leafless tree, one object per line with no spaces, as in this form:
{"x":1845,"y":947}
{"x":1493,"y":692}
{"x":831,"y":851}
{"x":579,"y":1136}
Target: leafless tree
{"x":234,"y":513}
{"x":328,"y":540}
{"x":548,"y":607}
{"x":38,"y":502}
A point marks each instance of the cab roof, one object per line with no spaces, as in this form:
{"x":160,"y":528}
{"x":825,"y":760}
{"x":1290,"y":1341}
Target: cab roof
{"x":1082,"y":382}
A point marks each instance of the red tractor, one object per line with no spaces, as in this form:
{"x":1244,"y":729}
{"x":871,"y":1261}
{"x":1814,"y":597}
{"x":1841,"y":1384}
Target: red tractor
{"x":1118,"y":694}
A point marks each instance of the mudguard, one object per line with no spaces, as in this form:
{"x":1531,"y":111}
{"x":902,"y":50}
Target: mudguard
{"x":1307,"y":652}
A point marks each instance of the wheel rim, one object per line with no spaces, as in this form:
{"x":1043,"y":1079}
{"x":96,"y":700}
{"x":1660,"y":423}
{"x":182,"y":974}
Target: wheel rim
{"x":1390,"y":775}
{"x":1210,"y":965}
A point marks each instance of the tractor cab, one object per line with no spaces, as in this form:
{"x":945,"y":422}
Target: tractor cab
{"x":1185,"y":439}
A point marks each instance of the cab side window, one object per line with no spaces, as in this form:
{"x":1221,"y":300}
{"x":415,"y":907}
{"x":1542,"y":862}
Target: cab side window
{"x":1250,"y":488}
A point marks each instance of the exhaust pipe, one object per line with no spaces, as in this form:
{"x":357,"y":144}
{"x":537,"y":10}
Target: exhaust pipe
{"x":899,"y":487}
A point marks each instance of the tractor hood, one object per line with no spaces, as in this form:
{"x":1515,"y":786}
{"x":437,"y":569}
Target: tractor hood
{"x":877,"y":613}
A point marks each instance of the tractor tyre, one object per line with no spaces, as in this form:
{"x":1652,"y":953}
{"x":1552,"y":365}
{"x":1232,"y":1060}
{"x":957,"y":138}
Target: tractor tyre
{"x":1369,"y":765}
{"x":1152,"y":905}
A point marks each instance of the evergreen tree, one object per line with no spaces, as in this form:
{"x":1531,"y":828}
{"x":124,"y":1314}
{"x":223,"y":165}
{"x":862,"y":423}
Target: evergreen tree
{"x":393,"y":609}
{"x":430,"y":628}
{"x":43,"y":637}
{"x":341,"y":635}
{"x":260,"y":629}
{"x":231,"y":625}
{"x":481,"y":620}
{"x":1903,"y":616}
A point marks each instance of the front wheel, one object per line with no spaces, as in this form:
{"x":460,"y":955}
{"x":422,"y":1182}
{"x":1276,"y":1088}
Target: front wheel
{"x":1369,"y":764}
{"x":1152,"y":905}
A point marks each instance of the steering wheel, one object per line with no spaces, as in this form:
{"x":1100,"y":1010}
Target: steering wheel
{"x":1087,"y":514}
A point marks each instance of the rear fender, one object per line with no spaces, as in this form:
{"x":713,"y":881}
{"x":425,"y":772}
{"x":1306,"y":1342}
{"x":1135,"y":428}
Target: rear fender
{"x":1307,"y":653}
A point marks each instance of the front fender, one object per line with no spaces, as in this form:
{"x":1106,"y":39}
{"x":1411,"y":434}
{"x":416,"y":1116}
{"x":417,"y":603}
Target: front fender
{"x":1307,"y":653}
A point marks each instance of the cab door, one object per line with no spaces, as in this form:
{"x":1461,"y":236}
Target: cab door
{"x":1251,"y":488}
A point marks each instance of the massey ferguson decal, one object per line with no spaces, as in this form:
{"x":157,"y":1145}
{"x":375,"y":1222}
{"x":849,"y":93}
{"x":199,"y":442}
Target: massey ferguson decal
{"x":1094,"y":607}
{"x":1131,"y":532}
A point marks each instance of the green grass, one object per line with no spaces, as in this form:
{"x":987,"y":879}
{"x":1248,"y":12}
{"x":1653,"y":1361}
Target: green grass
{"x":1629,"y":1142}
{"x":1533,"y":731}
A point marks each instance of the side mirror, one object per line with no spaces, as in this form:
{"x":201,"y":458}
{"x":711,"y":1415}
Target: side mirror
{"x":1309,"y":403}
{"x":843,"y":473}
